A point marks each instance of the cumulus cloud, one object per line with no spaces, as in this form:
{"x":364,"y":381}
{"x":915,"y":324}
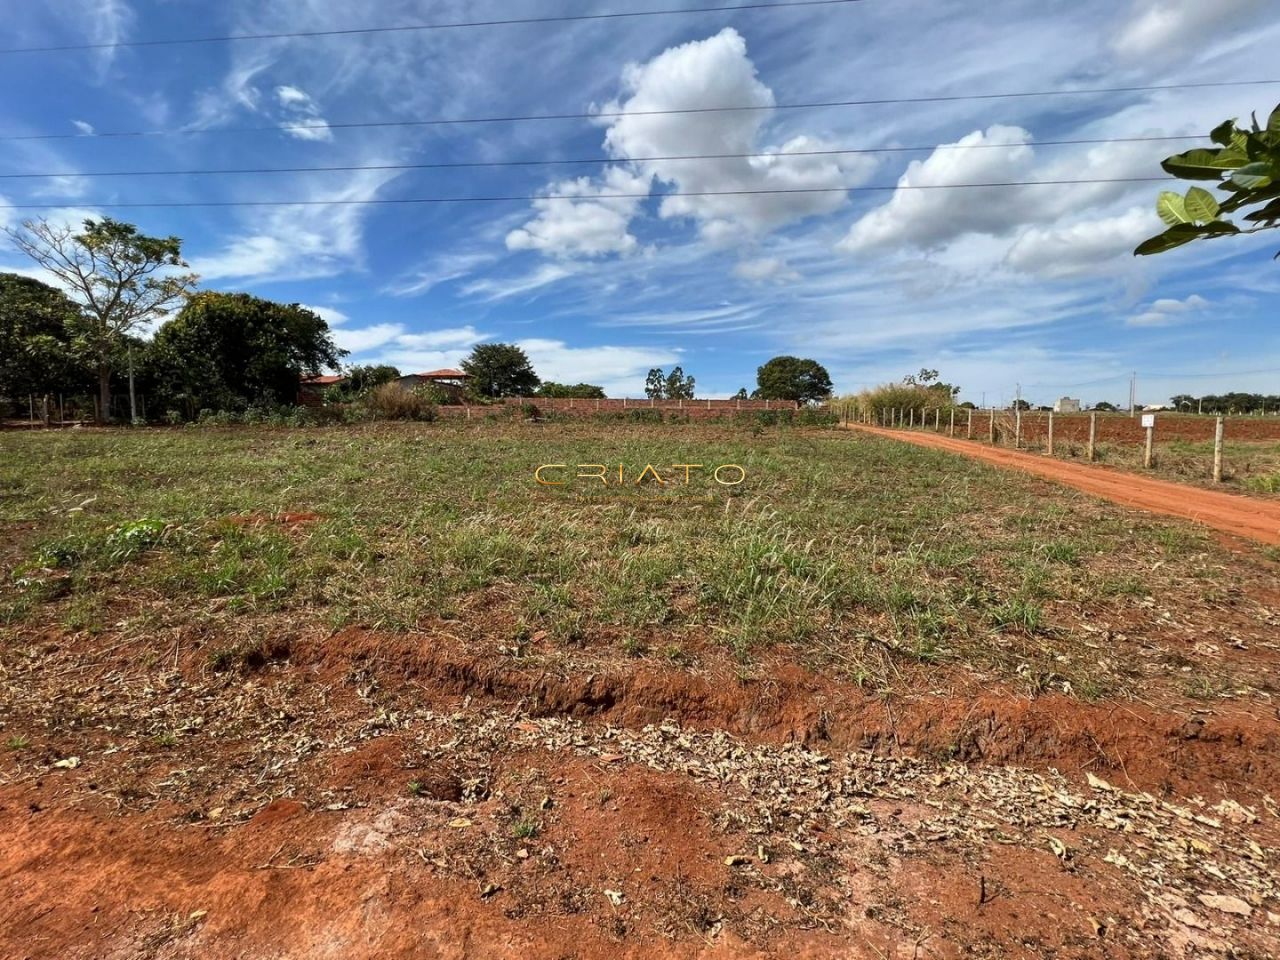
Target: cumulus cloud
{"x":928,"y":210}
{"x":1167,"y":312}
{"x":1169,"y":28}
{"x":1083,"y":247}
{"x":715,"y":70}
{"x":330,"y":315}
{"x":593,"y":227}
{"x":466,"y":336}
{"x":298,"y":108}
{"x":718,"y":70}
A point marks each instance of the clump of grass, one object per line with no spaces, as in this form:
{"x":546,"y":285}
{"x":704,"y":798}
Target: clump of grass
{"x":17,"y":742}
{"x":525,"y":829}
{"x":1020,"y":613}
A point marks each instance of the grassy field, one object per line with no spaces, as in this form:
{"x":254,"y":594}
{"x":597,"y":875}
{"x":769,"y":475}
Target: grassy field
{"x":861,"y":557}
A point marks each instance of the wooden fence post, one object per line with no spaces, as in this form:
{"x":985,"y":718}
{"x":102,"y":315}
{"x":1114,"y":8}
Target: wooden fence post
{"x":912,"y":423}
{"x":968,"y":435}
{"x":1017,"y":429}
{"x":1217,"y":451}
{"x":991,"y":425}
{"x":1093,"y":434}
{"x":952,"y":429}
{"x":1051,"y":433}
{"x":937,"y":420}
{"x":1147,"y":451}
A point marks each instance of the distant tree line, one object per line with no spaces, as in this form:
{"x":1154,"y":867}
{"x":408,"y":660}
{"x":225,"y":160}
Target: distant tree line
{"x":1227,"y":403}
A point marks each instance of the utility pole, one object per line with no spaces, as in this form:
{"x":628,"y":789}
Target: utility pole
{"x":1133,"y":394}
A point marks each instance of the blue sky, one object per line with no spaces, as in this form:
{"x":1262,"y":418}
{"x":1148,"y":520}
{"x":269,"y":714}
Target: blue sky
{"x":993,"y":287}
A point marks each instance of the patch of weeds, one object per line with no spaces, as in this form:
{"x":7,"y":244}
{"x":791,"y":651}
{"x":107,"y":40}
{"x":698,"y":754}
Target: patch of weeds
{"x":416,"y":788}
{"x":525,"y":829}
{"x":129,"y":540}
{"x":1018,"y":612}
{"x":1207,"y":688}
{"x":1060,"y":551}
{"x":168,"y":740}
{"x":634,"y":647}
{"x":17,"y":742}
{"x":677,"y":655}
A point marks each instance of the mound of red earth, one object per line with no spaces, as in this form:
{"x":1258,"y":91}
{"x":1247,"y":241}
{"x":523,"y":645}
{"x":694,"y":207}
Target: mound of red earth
{"x":364,"y":795}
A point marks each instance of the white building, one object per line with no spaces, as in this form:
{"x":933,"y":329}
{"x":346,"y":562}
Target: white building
{"x":1067,"y":405}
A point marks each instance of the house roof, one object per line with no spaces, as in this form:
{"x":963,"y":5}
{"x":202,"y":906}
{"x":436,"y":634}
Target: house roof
{"x":447,"y":373}
{"x":325,"y":380}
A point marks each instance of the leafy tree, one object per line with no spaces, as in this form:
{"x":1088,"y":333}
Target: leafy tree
{"x":655,"y":384}
{"x":224,"y":351}
{"x":1020,"y":405}
{"x":121,"y":278}
{"x":678,"y":386}
{"x":37,"y":349}
{"x":363,"y":377}
{"x":791,"y":378}
{"x":500,"y":370}
{"x":1105,"y":407}
{"x":741,"y":394}
{"x":1245,"y":165}
{"x":575,"y":391}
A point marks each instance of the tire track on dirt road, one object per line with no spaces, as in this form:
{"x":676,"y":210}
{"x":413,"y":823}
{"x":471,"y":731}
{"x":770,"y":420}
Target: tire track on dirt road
{"x":1253,"y":519}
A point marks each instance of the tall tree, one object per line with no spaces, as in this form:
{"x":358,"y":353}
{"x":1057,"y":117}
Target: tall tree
{"x":1245,"y":165}
{"x":224,"y":351}
{"x":121,"y":278}
{"x":679,"y":386}
{"x":500,"y":370}
{"x":574,"y":391}
{"x":655,"y":384}
{"x":37,"y":329}
{"x":793,"y":378}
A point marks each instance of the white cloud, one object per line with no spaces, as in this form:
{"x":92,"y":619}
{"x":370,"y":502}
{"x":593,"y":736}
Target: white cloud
{"x":330,"y":315}
{"x":299,"y":108}
{"x":83,"y":127}
{"x":360,"y":339}
{"x":620,"y":370}
{"x":1167,"y":312}
{"x":493,"y":289}
{"x":929,"y":211}
{"x":441,"y":270}
{"x":466,"y":336}
{"x":1167,"y":29}
{"x":766,"y":269}
{"x":718,"y":70}
{"x":928,"y":218}
{"x":1082,"y":247}
{"x":588,"y":228}
{"x":734,"y":204}
{"x":301,"y":242}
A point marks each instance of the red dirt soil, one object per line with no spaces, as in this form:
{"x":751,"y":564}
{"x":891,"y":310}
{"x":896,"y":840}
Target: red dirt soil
{"x":1252,"y":519}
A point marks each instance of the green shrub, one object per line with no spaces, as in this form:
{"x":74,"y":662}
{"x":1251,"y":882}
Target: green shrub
{"x":391,"y":402}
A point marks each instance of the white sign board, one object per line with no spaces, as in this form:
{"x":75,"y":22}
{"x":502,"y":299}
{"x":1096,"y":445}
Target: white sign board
{"x":1148,"y":421}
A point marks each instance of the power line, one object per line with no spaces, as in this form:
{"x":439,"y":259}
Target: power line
{"x":412,"y":27}
{"x":452,"y":165}
{"x":578,"y":197}
{"x":616,"y":114}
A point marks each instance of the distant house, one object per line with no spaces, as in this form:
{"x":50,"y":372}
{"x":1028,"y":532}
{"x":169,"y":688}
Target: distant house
{"x":1067,"y":405}
{"x":452,"y":382}
{"x":311,"y":389}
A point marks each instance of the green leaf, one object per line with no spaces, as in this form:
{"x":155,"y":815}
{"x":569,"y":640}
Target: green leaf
{"x":1202,"y":164}
{"x":1253,"y":176}
{"x":1223,"y":132}
{"x":1268,"y":213}
{"x":1244,"y":198}
{"x":1201,"y":205}
{"x":1172,"y":208}
{"x":1175,"y":236}
{"x":1273,"y":125}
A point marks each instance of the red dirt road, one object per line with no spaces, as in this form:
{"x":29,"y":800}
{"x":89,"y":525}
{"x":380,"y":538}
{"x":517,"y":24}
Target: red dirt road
{"x":1253,"y":519}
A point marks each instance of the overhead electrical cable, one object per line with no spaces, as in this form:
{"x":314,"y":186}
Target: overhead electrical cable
{"x":378,"y":201}
{"x":420,"y":27}
{"x":616,"y":114}
{"x":472,"y":164}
